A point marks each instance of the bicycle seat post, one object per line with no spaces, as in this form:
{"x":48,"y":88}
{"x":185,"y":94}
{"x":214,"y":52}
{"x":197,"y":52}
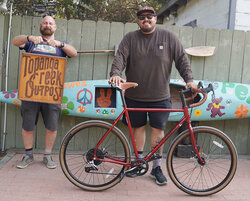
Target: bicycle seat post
{"x":122,"y":97}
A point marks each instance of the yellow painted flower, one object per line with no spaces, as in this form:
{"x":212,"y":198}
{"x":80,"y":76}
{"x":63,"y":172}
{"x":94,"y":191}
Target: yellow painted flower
{"x":197,"y":112}
{"x":241,"y":111}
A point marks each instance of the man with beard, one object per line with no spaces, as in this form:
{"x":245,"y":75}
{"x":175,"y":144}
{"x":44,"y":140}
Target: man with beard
{"x":148,"y":54}
{"x":45,"y":44}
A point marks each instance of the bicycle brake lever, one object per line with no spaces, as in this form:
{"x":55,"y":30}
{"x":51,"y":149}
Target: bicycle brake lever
{"x":208,"y":89}
{"x":200,"y":85}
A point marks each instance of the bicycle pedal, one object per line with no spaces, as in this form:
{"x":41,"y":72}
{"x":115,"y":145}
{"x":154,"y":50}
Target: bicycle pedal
{"x":88,"y":169}
{"x":154,"y":157}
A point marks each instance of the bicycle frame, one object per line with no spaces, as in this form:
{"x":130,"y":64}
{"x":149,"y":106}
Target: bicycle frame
{"x":125,"y":111}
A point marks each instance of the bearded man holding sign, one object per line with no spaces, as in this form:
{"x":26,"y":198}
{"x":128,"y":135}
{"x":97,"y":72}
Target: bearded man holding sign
{"x":45,"y":44}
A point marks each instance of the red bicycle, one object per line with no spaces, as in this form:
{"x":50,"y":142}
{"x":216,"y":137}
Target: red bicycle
{"x":95,"y":155}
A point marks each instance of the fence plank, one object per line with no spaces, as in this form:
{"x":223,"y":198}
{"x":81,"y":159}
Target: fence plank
{"x":74,"y":29}
{"x":224,"y":53}
{"x":210,"y":67}
{"x":237,"y":130}
{"x":130,"y":27}
{"x":248,"y":139}
{"x":237,"y":54}
{"x":36,"y":21}
{"x":245,"y":75}
{"x":185,"y":36}
{"x":87,"y":43}
{"x":12,"y":84}
{"x":176,"y":31}
{"x":246,"y":63}
{"x":197,"y":63}
{"x":22,"y":26}
{"x":116,"y":35}
{"x":2,"y":46}
{"x":101,"y":43}
{"x":2,"y":64}
{"x":61,"y":29}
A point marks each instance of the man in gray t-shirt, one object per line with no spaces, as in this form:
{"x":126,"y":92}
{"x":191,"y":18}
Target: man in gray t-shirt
{"x":147,"y":56}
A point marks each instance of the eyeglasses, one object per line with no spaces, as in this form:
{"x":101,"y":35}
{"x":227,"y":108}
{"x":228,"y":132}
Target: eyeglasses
{"x":149,"y":16}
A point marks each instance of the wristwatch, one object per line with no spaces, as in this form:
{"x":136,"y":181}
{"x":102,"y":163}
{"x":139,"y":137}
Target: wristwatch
{"x":62,"y":44}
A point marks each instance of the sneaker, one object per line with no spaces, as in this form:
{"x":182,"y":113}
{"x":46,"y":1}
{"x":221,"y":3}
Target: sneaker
{"x":25,"y":162}
{"x":157,"y":174}
{"x":47,"y":160}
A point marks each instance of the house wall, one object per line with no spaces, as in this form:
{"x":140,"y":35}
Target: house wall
{"x":242,"y":16}
{"x":208,"y":13}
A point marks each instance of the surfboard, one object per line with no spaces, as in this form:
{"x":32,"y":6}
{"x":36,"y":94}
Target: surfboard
{"x":99,"y":100}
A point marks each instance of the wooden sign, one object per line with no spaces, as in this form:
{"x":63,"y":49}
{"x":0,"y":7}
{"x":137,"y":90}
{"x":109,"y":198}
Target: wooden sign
{"x":41,"y":78}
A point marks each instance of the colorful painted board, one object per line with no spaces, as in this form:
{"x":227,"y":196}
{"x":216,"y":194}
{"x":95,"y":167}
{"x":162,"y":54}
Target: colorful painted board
{"x":97,"y":99}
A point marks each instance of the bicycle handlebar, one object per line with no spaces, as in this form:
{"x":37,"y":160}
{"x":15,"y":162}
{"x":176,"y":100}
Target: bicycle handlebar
{"x":195,"y":91}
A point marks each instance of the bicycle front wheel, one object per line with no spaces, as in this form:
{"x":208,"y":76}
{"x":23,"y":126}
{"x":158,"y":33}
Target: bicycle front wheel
{"x":77,"y":151}
{"x":186,"y":170}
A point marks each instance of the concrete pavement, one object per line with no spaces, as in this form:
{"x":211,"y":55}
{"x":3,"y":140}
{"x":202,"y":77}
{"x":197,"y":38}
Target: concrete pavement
{"x":37,"y":183}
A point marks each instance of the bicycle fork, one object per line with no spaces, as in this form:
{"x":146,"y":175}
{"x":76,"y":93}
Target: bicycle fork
{"x":193,"y":141}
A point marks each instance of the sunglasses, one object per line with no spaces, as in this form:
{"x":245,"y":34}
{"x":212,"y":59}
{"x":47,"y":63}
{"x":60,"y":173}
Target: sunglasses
{"x":149,"y":16}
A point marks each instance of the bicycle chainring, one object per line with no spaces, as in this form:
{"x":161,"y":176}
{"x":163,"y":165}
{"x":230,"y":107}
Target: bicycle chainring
{"x":141,"y":166}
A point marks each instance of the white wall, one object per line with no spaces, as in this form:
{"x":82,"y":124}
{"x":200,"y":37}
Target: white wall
{"x":208,"y":13}
{"x":242,"y":17}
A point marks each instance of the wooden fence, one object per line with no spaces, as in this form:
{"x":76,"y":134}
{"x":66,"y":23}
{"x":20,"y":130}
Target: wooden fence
{"x":231,"y":63}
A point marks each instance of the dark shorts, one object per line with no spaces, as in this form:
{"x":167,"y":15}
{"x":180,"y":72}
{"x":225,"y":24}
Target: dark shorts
{"x":50,"y":112}
{"x":156,"y":119}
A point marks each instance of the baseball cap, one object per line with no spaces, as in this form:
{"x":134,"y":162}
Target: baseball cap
{"x":145,"y":9}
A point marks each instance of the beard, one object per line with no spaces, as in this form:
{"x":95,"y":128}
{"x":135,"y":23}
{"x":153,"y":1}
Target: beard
{"x":147,"y":28}
{"x":46,"y":32}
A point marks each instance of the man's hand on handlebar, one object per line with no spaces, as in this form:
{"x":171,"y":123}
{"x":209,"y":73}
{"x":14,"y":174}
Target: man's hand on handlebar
{"x":191,"y":85}
{"x":116,"y":80}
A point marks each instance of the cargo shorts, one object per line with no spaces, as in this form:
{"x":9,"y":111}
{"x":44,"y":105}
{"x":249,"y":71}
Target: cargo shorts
{"x":51,"y":114}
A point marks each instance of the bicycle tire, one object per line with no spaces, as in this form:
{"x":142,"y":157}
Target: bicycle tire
{"x":76,"y":153}
{"x":220,"y":156}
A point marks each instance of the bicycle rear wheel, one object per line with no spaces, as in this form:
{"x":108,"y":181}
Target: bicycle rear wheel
{"x":185,"y":169}
{"x":77,"y":151}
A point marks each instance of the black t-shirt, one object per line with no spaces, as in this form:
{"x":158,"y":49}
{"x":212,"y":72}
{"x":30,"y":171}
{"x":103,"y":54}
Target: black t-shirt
{"x":148,"y":61}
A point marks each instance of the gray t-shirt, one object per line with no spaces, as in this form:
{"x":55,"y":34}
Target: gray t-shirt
{"x":148,"y":61}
